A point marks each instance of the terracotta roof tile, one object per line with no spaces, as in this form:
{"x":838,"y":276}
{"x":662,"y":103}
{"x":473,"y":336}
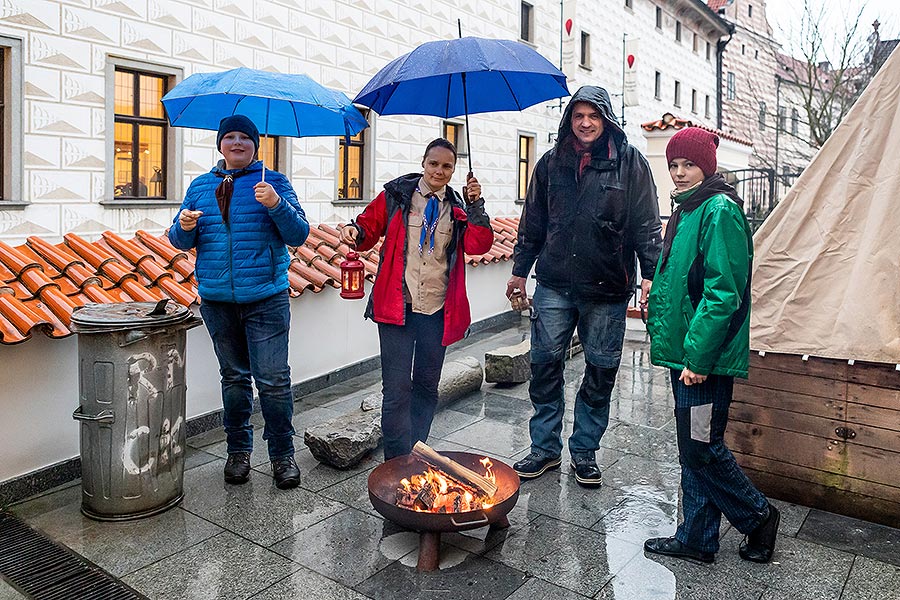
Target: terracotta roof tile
{"x":670,"y":121}
{"x":42,"y":283}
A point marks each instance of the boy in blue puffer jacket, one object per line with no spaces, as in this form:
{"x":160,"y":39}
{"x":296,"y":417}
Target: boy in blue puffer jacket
{"x":240,"y":226}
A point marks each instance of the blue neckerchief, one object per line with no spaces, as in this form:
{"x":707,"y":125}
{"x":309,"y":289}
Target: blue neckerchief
{"x":429,"y":219}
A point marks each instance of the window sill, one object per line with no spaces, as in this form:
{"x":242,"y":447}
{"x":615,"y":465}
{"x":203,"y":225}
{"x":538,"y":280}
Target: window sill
{"x":340,"y":202}
{"x":140,"y":203}
{"x":586,"y":67}
{"x":14,"y":204}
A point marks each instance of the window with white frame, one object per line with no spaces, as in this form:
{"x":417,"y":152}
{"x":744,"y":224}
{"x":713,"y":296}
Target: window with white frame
{"x":708,"y":50}
{"x":659,"y":18}
{"x":730,"y":92}
{"x":762,"y":115}
{"x":696,"y":47}
{"x":677,"y":93}
{"x":795,"y":121}
{"x":455,"y":133}
{"x":678,"y":31}
{"x":585,"y":49}
{"x":657,"y":85}
{"x":526,"y":27}
{"x":706,"y":104}
{"x":693,"y":101}
{"x":526,"y":164}
{"x":11,"y":122}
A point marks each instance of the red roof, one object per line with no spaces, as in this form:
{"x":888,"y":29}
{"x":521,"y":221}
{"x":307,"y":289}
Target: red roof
{"x":670,"y":121}
{"x":41,"y":283}
{"x":715,"y":5}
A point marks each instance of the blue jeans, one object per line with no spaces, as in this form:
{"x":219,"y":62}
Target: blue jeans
{"x":712,"y":483}
{"x":252,"y":340}
{"x":601,"y":330}
{"x":412,"y":356}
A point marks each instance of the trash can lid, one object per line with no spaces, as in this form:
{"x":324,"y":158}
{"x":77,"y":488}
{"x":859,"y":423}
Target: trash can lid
{"x":126,"y":315}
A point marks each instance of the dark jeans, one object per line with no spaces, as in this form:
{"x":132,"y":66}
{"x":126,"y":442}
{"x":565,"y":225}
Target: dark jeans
{"x":601,"y":330}
{"x":252,"y":340}
{"x":411,"y":359}
{"x":712,"y":483}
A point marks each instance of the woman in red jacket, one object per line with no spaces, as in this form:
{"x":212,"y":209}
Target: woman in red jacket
{"x":419,"y":298}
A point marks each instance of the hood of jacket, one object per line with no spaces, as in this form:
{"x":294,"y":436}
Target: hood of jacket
{"x":600,"y":99}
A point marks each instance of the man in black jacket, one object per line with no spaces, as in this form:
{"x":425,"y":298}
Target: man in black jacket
{"x":591,"y":208}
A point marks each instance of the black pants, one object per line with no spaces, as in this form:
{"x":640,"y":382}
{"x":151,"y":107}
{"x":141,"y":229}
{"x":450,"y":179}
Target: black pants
{"x":411,"y":360}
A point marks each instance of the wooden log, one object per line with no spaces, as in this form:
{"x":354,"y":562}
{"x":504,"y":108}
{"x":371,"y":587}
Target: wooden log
{"x":465,"y":474}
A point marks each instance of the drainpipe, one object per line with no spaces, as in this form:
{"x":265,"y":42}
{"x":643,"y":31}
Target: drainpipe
{"x":720,"y":48}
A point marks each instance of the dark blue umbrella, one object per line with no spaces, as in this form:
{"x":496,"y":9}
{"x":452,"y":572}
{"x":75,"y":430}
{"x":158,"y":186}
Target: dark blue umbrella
{"x":469,"y":75}
{"x":277,"y":103}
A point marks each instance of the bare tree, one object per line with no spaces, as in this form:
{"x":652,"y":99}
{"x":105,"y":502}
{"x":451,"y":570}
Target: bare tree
{"x":828,"y":71}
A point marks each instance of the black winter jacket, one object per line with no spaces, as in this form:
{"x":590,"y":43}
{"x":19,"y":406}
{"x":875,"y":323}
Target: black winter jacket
{"x":584,"y":232}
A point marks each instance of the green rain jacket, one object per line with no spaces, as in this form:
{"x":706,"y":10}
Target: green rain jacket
{"x":699,"y":308}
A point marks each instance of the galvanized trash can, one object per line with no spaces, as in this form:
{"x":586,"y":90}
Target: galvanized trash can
{"x":131,"y":363}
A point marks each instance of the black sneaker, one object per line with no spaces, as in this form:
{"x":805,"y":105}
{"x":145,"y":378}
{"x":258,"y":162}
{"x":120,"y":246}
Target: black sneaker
{"x":286,"y":473}
{"x":587,"y":473}
{"x":534,"y":465}
{"x":672,"y":547}
{"x":237,"y":468}
{"x":760,"y":544}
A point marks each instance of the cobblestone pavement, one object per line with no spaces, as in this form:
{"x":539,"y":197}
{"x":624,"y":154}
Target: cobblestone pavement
{"x":324,"y":540}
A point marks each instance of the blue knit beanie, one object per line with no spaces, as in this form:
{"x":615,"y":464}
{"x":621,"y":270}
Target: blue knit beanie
{"x":237,"y":123}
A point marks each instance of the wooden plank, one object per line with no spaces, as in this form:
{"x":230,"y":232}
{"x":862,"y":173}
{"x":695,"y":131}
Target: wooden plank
{"x":792,"y":382}
{"x":799,"y":422}
{"x":818,"y":478}
{"x":825,"y":368}
{"x":875,"y":374}
{"x":845,"y":502}
{"x":875,"y":396}
{"x":875,"y":438}
{"x":858,"y":414}
{"x":803,"y":403}
{"x":832,"y":456}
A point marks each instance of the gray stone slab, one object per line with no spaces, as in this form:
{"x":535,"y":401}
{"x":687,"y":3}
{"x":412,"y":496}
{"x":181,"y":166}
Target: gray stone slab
{"x":308,"y":585}
{"x":653,"y":577}
{"x":349,"y":546}
{"x":256,"y":510}
{"x":125,"y":546}
{"x":475,"y":578}
{"x":558,"y":495}
{"x":872,"y":579}
{"x":658,"y":444}
{"x":57,"y":498}
{"x":538,"y":589}
{"x":577,"y":559}
{"x":7,"y":592}
{"x":509,"y":364}
{"x":447,"y":421}
{"x":194,"y":457}
{"x":317,"y":476}
{"x":637,"y":518}
{"x":605,"y":457}
{"x":792,"y":517}
{"x":494,"y":438}
{"x":258,"y":456}
{"x":519,"y":390}
{"x":352,"y":492}
{"x":496,"y":406}
{"x":225,"y":567}
{"x":655,"y":481}
{"x":637,"y":411}
{"x":852,"y":535}
{"x":797,"y":567}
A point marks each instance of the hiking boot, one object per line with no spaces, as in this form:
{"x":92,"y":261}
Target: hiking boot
{"x":534,"y":465}
{"x":286,"y":473}
{"x":672,"y":547}
{"x":587,"y":473}
{"x":237,"y":468}
{"x":760,"y":544}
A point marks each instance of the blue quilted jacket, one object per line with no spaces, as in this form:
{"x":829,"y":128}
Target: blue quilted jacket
{"x":245,"y":260}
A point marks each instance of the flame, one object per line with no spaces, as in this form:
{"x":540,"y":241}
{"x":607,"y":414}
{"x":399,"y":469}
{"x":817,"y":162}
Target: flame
{"x":488,"y":469}
{"x":450,"y":495}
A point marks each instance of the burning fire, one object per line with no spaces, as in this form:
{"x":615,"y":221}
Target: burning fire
{"x":437,"y":492}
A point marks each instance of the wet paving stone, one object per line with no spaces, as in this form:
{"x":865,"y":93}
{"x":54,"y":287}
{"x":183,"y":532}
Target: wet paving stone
{"x":875,"y":541}
{"x":872,"y":579}
{"x":448,"y":421}
{"x":637,"y":518}
{"x":348,"y":547}
{"x":7,"y":592}
{"x":558,"y":495}
{"x":566,"y":555}
{"x":474,"y":578}
{"x":225,"y":567}
{"x":121,"y":547}
{"x":316,"y":476}
{"x":653,"y":443}
{"x":309,"y":585}
{"x":494,"y":438}
{"x":256,"y":510}
{"x":497,"y":407}
{"x":538,"y":589}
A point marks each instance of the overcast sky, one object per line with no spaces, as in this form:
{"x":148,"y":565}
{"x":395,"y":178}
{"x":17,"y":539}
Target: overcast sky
{"x":784,"y":15}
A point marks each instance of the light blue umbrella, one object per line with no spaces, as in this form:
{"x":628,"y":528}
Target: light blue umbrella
{"x":277,"y":103}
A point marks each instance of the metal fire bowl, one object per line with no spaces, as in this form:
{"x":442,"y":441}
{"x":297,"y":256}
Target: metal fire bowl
{"x":385,"y":479}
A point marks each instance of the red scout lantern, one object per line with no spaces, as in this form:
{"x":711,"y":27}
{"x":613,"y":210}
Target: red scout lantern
{"x":352,"y":277}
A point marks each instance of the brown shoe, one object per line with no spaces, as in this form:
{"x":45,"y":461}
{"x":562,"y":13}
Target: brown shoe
{"x":760,"y":544}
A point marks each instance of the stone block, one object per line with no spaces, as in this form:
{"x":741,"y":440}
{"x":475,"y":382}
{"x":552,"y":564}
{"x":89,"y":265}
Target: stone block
{"x":459,"y":378}
{"x":344,"y":441}
{"x":510,"y":364}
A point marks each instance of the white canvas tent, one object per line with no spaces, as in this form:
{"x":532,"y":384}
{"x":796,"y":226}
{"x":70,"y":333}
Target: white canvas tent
{"x":826,"y":276}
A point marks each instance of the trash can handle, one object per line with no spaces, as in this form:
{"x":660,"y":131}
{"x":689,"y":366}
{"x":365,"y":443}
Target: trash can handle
{"x":105,"y":416}
{"x":160,"y":309}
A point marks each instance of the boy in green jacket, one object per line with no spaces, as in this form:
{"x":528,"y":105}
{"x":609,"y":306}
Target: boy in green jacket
{"x":699,"y":325}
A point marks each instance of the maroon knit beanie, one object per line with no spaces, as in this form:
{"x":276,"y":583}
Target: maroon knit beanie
{"x":697,"y":145}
